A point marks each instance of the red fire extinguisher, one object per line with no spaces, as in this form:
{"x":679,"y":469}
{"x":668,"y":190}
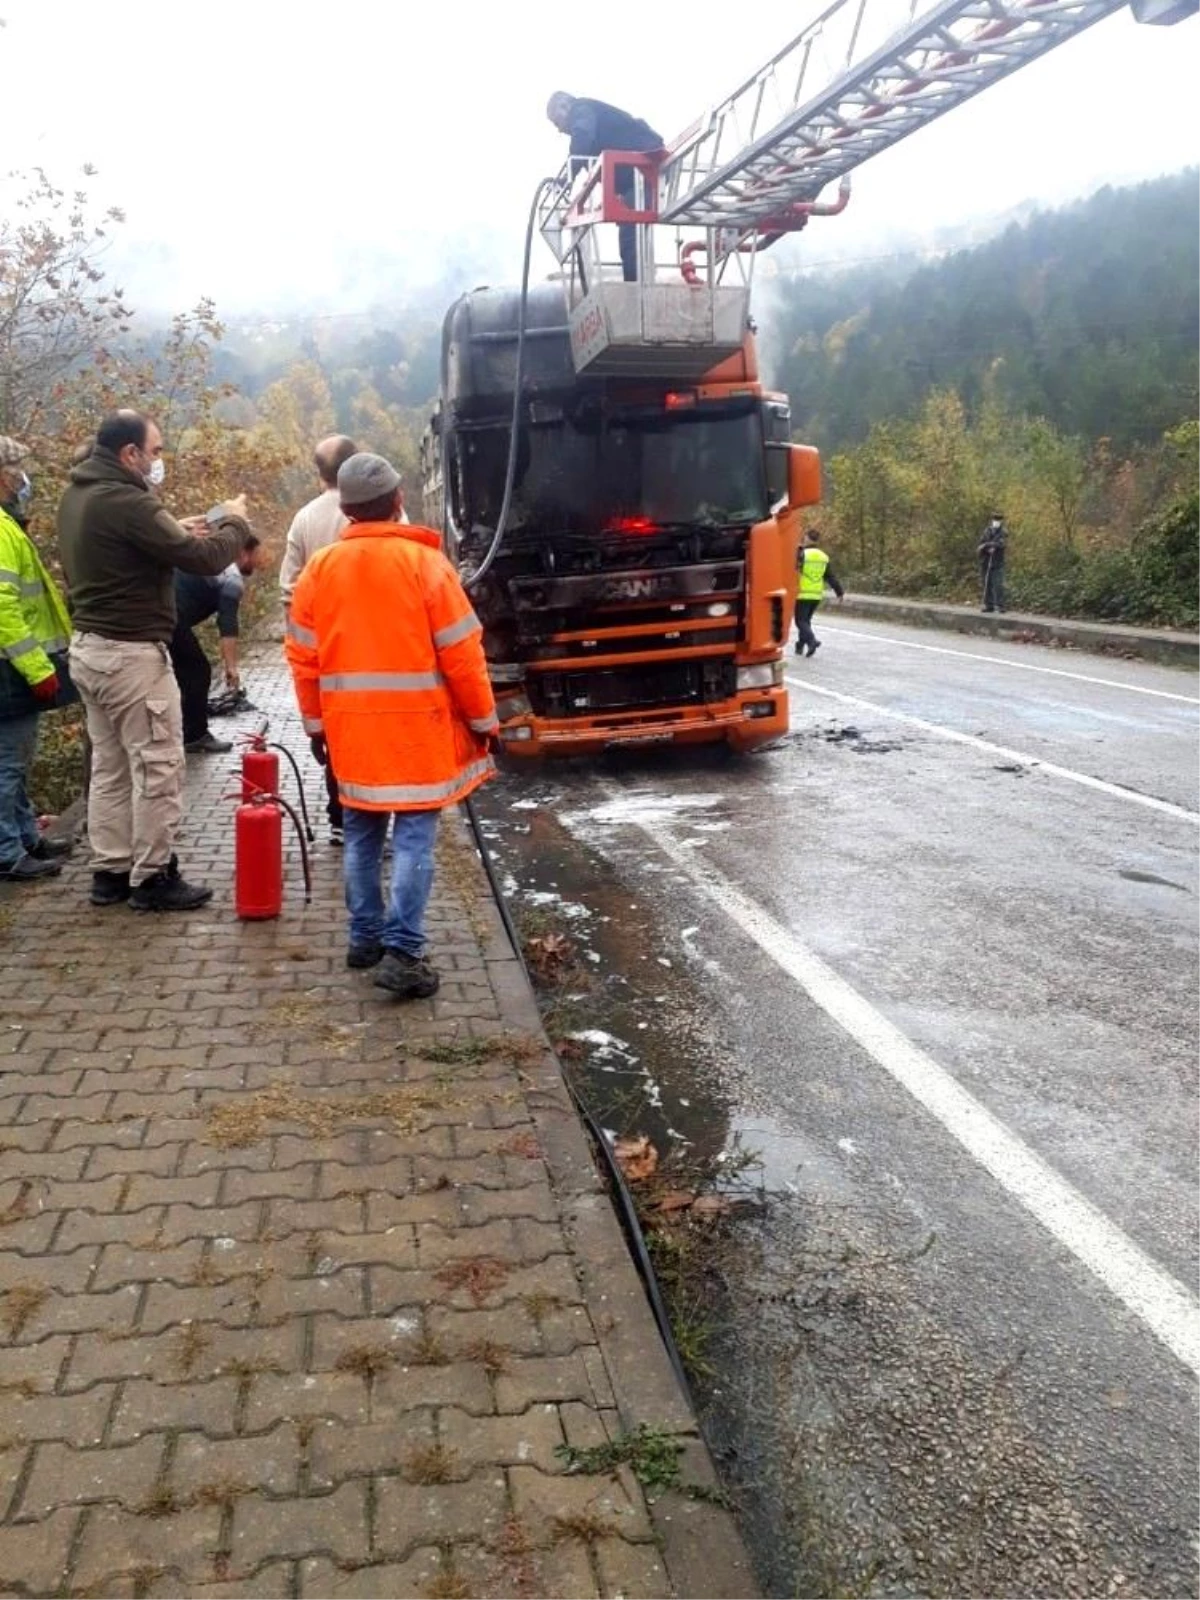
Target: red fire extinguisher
{"x":258,"y":857}
{"x":260,"y":772}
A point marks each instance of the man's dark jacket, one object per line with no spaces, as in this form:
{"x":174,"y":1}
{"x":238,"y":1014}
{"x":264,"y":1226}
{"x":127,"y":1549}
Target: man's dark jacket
{"x":595,"y":126}
{"x":121,"y":548}
{"x":992,"y":543}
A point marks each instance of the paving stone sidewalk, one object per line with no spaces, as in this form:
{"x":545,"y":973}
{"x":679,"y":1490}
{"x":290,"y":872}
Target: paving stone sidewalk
{"x":301,"y":1289}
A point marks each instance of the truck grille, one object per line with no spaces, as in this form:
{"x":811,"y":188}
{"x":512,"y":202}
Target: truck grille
{"x":637,"y":644}
{"x":670,"y":683}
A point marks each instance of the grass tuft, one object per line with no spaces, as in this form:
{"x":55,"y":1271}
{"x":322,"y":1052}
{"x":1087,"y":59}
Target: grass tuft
{"x":651,"y":1453}
{"x":431,"y":1463}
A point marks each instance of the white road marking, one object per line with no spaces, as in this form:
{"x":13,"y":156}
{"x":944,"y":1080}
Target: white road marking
{"x":1126,"y":1271}
{"x":1134,"y":796}
{"x":1019,"y":666}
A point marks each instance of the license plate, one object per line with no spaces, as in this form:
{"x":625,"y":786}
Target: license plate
{"x":640,"y":738}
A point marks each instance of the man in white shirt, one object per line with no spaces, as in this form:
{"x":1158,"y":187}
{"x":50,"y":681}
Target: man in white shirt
{"x":313,"y":527}
{"x":320,"y":521}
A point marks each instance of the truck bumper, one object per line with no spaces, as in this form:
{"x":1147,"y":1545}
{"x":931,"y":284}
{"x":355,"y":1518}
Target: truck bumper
{"x":747,"y":720}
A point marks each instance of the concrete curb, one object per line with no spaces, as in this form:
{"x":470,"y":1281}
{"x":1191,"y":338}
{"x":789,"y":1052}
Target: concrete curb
{"x":1165,"y":645}
{"x":699,"y":1541}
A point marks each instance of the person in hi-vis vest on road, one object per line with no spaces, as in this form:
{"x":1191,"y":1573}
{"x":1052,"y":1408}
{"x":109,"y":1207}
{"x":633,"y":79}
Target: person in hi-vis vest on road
{"x":813,"y":573}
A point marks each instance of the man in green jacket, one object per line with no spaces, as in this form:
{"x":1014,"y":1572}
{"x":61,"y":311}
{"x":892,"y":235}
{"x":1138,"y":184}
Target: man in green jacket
{"x":33,"y":629}
{"x":120,"y":551}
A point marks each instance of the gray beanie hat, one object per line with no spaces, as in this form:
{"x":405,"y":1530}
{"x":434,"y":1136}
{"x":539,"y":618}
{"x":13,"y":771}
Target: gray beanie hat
{"x":366,"y":477}
{"x":12,"y":451}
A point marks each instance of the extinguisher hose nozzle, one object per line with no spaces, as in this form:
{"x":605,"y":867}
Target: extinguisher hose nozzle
{"x":283,"y":749}
{"x":291,"y":811}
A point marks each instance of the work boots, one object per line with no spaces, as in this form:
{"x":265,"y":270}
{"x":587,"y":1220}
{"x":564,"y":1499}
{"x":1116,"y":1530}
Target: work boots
{"x":28,"y":868}
{"x":168,"y":891}
{"x":50,"y":849}
{"x":407,"y":977}
{"x":109,"y":888}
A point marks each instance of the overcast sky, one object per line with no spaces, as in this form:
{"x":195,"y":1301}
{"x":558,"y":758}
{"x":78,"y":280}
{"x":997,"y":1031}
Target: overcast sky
{"x":276,"y":158}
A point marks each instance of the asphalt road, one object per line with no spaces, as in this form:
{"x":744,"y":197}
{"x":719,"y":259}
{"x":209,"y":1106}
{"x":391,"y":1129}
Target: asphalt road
{"x":935,"y":958}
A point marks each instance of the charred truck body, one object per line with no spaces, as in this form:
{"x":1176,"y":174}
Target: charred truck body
{"x":644,"y":585}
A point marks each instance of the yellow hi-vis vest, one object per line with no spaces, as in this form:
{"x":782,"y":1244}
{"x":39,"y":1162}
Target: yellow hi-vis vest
{"x":810,"y":579}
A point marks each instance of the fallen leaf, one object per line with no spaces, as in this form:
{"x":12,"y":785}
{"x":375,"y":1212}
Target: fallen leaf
{"x":522,"y":1144}
{"x":550,"y":955}
{"x":636,"y":1157}
{"x":712,"y":1205}
{"x":675,"y":1200}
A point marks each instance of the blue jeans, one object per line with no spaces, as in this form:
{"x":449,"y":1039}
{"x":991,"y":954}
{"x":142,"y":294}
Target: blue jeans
{"x":401,"y":926}
{"x":18,"y":825}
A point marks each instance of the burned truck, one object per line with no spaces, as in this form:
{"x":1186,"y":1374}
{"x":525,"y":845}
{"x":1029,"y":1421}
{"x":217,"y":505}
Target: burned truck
{"x":642,"y":588}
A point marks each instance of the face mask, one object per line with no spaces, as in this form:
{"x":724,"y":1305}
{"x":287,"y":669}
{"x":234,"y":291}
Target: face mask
{"x":157,"y":473}
{"x":24,"y":491}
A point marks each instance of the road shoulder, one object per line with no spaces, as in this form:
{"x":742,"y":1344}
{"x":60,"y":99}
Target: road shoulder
{"x":1165,"y":645}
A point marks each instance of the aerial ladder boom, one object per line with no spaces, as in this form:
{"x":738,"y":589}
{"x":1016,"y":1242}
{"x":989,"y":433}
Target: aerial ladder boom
{"x":780,"y":138}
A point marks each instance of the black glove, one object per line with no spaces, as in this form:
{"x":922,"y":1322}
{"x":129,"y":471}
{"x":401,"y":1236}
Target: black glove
{"x":319,"y":752}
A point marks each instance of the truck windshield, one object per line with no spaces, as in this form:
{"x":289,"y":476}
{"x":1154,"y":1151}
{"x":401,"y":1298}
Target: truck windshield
{"x":696,"y":467}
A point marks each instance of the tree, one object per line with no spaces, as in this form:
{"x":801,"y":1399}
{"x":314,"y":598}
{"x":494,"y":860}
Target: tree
{"x":1183,"y":445}
{"x":1086,"y":316}
{"x":68,"y":355}
{"x":876,"y":493}
{"x":298,"y":408}
{"x":955,"y":498}
{"x":54,"y":308}
{"x":1059,"y":463}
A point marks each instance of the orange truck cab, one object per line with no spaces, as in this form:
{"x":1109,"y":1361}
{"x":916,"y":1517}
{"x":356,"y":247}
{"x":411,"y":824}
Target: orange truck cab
{"x":644,"y":585}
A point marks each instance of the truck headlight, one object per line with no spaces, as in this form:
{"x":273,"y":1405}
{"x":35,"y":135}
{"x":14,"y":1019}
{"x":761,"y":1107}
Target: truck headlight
{"x":767,"y":675}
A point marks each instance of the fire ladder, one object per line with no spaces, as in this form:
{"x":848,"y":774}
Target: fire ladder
{"x":753,"y":168}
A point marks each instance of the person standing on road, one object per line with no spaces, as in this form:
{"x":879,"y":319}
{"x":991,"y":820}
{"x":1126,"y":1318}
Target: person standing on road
{"x":387,"y":658}
{"x":120,"y":551}
{"x":196,"y":599}
{"x":595,"y":126}
{"x":813,"y":573}
{"x":315,"y":525}
{"x":992,"y":543}
{"x":33,"y":677}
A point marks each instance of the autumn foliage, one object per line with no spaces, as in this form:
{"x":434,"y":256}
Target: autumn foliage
{"x":1092,"y":532}
{"x":72,"y":349}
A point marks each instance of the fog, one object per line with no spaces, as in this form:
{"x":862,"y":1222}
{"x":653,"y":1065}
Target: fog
{"x":279,"y":159}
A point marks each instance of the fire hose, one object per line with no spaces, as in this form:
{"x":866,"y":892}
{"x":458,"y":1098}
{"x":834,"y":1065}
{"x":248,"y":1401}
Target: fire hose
{"x":510,"y":475}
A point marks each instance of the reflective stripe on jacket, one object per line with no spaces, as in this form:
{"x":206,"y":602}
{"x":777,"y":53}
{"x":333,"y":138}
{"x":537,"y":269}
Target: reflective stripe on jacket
{"x":387,"y":658}
{"x":810,"y":579}
{"x":33,"y":617}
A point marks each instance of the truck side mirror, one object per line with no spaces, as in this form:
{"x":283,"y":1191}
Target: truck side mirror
{"x":804,"y":476}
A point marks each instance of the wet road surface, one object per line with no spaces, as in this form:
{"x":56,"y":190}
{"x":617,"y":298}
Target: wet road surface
{"x":934,"y":958}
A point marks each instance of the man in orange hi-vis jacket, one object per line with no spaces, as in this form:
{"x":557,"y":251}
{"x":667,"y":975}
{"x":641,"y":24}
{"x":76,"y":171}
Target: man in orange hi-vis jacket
{"x":387,"y":658}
